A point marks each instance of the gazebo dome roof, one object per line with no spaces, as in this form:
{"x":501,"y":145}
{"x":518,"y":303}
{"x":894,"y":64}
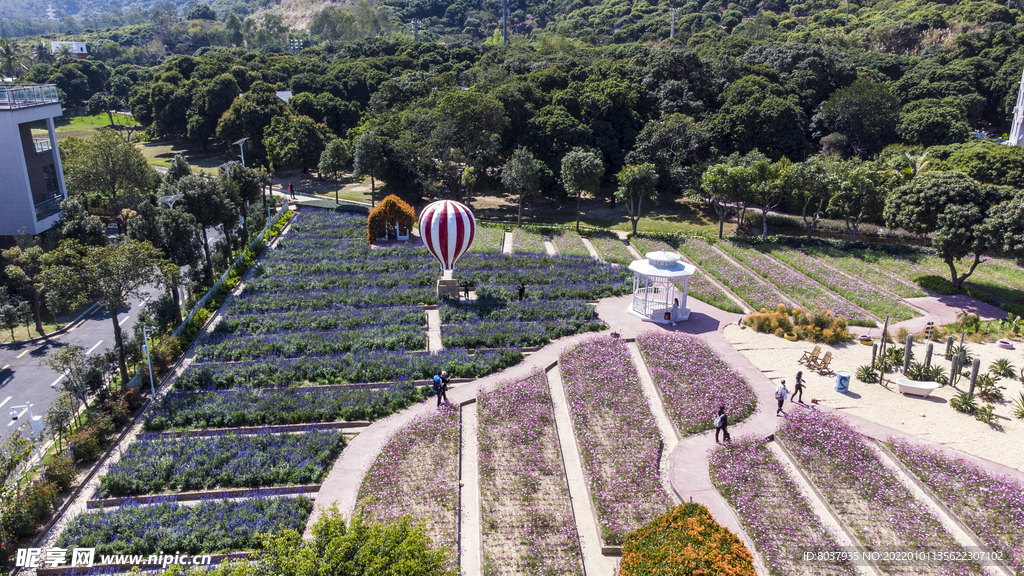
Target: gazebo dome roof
{"x":662,"y":265}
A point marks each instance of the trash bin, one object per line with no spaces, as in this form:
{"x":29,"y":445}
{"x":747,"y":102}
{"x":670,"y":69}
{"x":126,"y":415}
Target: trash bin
{"x":842,"y":381}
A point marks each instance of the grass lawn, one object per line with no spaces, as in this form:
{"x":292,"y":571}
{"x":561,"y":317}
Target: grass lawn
{"x":81,"y":126}
{"x":161,"y":154}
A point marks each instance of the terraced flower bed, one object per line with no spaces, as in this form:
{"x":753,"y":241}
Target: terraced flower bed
{"x":694,"y":381}
{"x":370,"y":366}
{"x":857,"y":291}
{"x":546,"y":277}
{"x":526,"y":515}
{"x":867,"y":494}
{"x":863,"y":264}
{"x":527,"y":241}
{"x":991,"y":505}
{"x":255,"y":407}
{"x":798,"y":286}
{"x":619,"y":441}
{"x":754,"y":292}
{"x":330,"y":224}
{"x":569,"y":243}
{"x":417,"y":474}
{"x":773,"y":511}
{"x":487,"y":238}
{"x":611,"y":248}
{"x":524,"y":324}
{"x":341,"y":317}
{"x":238,"y":348}
{"x":152,"y":466}
{"x":981,"y":278}
{"x":211,"y":527}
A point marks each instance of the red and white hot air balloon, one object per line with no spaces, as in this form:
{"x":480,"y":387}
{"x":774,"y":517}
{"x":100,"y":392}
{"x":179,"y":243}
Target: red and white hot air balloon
{"x":447,"y":229}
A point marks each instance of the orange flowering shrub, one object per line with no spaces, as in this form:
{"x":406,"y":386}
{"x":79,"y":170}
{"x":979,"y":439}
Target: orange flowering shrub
{"x":813,"y":325}
{"x":686,"y":541}
{"x":385,"y":215}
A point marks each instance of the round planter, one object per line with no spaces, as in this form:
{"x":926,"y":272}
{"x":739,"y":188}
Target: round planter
{"x":1004,"y":344}
{"x":791,"y":336}
{"x":866,"y":340}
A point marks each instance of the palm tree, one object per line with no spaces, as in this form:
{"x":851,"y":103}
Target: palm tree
{"x":42,"y":53}
{"x":10,"y":56}
{"x":64,"y":51}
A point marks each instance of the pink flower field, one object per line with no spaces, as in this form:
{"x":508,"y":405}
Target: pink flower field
{"x":694,"y":381}
{"x":527,"y":520}
{"x":617,"y":436}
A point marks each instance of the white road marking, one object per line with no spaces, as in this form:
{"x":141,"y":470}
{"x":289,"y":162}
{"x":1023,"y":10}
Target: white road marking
{"x":57,"y":381}
{"x":94,"y":346}
{"x":6,"y":401}
{"x":123,"y":320}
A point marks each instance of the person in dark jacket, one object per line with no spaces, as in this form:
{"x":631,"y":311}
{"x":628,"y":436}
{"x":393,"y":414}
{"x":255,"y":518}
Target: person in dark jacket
{"x":722,"y":425}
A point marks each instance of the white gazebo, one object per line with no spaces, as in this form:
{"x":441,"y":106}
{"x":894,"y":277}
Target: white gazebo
{"x":654,"y":287}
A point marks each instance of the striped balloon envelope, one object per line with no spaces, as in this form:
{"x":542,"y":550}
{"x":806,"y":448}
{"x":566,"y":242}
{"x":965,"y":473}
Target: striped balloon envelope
{"x":447,"y":229}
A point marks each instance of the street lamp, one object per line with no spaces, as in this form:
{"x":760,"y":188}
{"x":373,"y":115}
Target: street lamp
{"x":35,"y":421}
{"x":241,"y":147}
{"x":227,"y":168}
{"x":145,"y":348}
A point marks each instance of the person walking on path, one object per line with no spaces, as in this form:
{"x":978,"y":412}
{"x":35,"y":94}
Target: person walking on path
{"x":798,"y":388}
{"x":522,"y":291}
{"x":675,"y":310}
{"x":291,"y":190}
{"x":722,"y":425}
{"x":780,"y":394}
{"x":440,"y":387}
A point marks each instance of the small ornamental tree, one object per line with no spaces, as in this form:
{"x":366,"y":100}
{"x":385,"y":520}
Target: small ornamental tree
{"x":391,"y":211}
{"x":686,"y":540}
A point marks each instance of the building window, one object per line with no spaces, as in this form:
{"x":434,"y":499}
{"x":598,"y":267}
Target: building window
{"x":51,"y":205}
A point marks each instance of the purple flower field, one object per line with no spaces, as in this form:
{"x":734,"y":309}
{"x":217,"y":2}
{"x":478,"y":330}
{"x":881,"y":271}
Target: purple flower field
{"x":230,"y":461}
{"x":857,"y":291}
{"x":755,"y":293}
{"x":611,"y":248}
{"x":617,"y":436}
{"x":771,"y":508}
{"x":694,"y":381}
{"x":862,"y":264}
{"x":798,"y":286}
{"x":866,"y":493}
{"x":991,"y":505}
{"x":487,"y":239}
{"x":527,"y":241}
{"x":569,"y":243}
{"x":417,"y":474}
{"x":212,"y":527}
{"x":527,"y":519}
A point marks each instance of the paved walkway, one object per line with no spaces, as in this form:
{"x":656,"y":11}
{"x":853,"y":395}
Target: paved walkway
{"x":688,"y":461}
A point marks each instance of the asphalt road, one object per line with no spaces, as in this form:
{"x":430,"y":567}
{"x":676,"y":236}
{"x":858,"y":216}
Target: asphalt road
{"x":23,"y":377}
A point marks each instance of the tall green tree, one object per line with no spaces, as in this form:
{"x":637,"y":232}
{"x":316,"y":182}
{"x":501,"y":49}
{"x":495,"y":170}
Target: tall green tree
{"x":175,"y":233}
{"x":724,"y":185}
{"x":23,"y":266}
{"x":857,"y":193}
{"x":521,"y":175}
{"x":295,"y":141}
{"x":10,"y":57}
{"x":369,"y":160}
{"x":333,"y":162}
{"x":764,"y":189}
{"x":956,"y":210}
{"x":79,"y":379}
{"x":581,"y":174}
{"x":865,"y":112}
{"x":60,"y":415}
{"x":77,"y":224}
{"x":107,"y":165}
{"x":466,"y":127}
{"x":636,"y":182}
{"x":807,"y":185}
{"x":115,"y":273}
{"x":205,"y":199}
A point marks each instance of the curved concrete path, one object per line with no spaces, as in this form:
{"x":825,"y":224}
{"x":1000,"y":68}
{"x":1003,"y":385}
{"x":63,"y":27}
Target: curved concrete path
{"x":688,"y":466}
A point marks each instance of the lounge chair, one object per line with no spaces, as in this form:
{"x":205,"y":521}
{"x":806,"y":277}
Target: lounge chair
{"x":810,"y":357}
{"x":822,"y":365}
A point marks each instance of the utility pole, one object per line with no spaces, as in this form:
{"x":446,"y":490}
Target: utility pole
{"x":672,"y":33}
{"x":847,"y":13}
{"x":416,"y":30}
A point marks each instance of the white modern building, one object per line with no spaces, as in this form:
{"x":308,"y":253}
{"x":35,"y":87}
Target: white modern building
{"x":31,"y":174}
{"x":77,"y":49}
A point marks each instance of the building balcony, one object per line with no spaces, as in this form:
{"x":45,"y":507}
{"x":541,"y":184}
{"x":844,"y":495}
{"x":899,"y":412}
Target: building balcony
{"x":17,"y":96}
{"x":48,"y":208}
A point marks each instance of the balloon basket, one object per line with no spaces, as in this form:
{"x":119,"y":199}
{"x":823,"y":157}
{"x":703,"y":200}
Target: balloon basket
{"x":447,"y":288}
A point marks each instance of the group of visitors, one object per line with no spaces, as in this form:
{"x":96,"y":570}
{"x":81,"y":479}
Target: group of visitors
{"x":781,"y":393}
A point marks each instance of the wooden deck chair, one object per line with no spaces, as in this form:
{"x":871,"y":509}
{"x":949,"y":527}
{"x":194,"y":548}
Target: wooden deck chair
{"x":822,"y":366}
{"x":810,"y":357}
